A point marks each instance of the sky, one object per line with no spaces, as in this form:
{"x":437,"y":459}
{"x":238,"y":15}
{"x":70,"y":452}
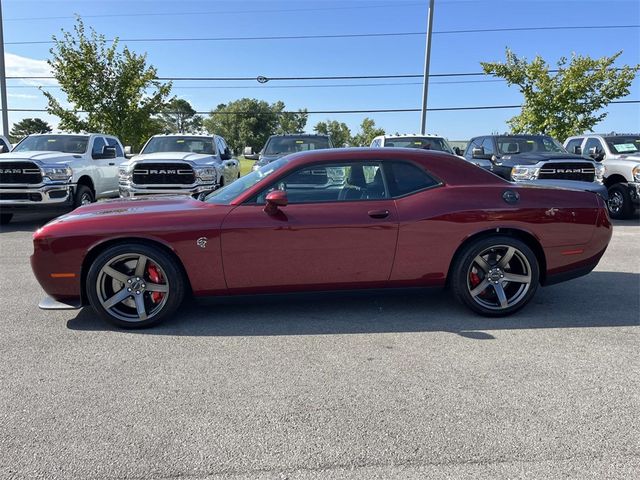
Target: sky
{"x":38,"y":20}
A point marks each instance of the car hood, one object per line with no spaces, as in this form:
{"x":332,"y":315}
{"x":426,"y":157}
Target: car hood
{"x":533,"y":158}
{"x":194,"y":158}
{"x":41,"y":158}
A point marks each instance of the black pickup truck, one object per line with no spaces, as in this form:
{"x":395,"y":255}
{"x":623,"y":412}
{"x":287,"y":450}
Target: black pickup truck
{"x":526,"y":158}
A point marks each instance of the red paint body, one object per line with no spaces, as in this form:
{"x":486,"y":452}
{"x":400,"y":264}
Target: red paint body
{"x":332,"y":245}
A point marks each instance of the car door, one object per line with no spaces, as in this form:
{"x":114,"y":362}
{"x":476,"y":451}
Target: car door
{"x":104,"y":171}
{"x":337,"y":230}
{"x":111,"y":169}
{"x":229,"y":165}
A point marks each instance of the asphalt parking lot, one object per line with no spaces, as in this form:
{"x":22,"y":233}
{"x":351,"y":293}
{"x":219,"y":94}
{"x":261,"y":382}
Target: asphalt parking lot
{"x":399,"y":385}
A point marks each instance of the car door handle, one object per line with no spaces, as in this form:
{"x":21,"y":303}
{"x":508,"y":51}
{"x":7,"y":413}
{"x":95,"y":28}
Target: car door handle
{"x":378,"y":213}
{"x":110,"y":163}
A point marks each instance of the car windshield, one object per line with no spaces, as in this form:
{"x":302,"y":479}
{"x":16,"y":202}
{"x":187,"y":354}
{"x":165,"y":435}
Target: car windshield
{"x":54,"y":143}
{"x":426,"y":143}
{"x":528,"y":144}
{"x":226,"y":195}
{"x":621,"y":144}
{"x":180,"y":144}
{"x":286,"y":145}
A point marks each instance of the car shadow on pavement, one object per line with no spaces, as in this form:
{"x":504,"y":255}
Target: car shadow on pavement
{"x":602,"y":299}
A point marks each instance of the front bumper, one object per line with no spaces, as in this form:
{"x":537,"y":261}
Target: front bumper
{"x":634,"y":193}
{"x":38,"y":196}
{"x":198,"y":190}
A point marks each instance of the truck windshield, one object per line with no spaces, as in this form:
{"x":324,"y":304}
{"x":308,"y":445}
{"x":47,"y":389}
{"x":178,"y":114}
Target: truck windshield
{"x":180,"y":144}
{"x":528,"y":144}
{"x":426,"y":143}
{"x":54,"y":143}
{"x":226,"y":195}
{"x":622,"y":144}
{"x":286,"y":145}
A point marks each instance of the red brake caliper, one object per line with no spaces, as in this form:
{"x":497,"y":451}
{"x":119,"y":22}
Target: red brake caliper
{"x":475,"y":279}
{"x":155,"y":277}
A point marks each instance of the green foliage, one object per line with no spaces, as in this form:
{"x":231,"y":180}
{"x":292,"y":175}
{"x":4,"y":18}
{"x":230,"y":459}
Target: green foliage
{"x":110,"y":90}
{"x":248,"y":122}
{"x":290,"y":122}
{"x":180,"y":117}
{"x":27,"y":126}
{"x":339,"y":131}
{"x":367,"y":133}
{"x":567,"y":102}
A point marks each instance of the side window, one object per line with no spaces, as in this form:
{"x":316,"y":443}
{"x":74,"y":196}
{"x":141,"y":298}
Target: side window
{"x":331,"y":183}
{"x":98,"y":145}
{"x":573,"y":144}
{"x":488,"y":146}
{"x":406,"y":178}
{"x":112,"y":142}
{"x":375,"y":143}
{"x":591,"y":143}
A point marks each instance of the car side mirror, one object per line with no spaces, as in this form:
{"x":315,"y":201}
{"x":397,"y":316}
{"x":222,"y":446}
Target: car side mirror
{"x":3,"y":149}
{"x":127,"y":150}
{"x":249,"y":154}
{"x":597,"y":156}
{"x":577,"y":150}
{"x":457,"y":151}
{"x":275,"y":200}
{"x":478,"y":152}
{"x":109,"y":152}
{"x":226,"y":155}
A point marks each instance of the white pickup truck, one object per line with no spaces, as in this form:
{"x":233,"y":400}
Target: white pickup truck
{"x":620,"y":155}
{"x":58,"y":172}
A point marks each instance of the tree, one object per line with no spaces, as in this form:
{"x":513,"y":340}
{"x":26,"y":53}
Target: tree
{"x":339,"y":131}
{"x":180,"y":117}
{"x":290,"y":122}
{"x":368,"y":132}
{"x":564,"y":103}
{"x":27,"y":126}
{"x":245,"y":122}
{"x":111,"y":91}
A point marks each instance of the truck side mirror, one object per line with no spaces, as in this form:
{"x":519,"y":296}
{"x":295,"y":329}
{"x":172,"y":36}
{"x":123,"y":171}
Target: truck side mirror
{"x":597,"y":156}
{"x":577,"y":150}
{"x":249,"y":155}
{"x":108,"y":152}
{"x":127,"y":150}
{"x":478,"y":152}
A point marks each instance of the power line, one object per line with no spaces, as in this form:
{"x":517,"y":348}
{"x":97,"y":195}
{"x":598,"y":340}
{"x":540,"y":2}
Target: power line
{"x":263,"y":79}
{"x":222,"y":12}
{"x":344,"y":35}
{"x":381,"y":110}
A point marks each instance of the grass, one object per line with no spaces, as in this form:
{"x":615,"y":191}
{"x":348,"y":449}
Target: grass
{"x":245,"y":165}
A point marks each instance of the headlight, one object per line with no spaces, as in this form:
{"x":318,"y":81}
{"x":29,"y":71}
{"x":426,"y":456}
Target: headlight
{"x":636,"y":173}
{"x":57,"y":173}
{"x":599,"y":172}
{"x":124,"y":174}
{"x":206,"y":174}
{"x":521,"y":173}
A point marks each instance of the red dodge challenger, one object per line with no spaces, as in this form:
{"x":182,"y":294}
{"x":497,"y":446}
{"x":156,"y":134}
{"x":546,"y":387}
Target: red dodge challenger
{"x":325,"y":220}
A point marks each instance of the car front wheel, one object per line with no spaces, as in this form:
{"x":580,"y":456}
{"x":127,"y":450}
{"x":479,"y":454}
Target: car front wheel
{"x":619,"y":203}
{"x":495,"y":276}
{"x":135,"y":285}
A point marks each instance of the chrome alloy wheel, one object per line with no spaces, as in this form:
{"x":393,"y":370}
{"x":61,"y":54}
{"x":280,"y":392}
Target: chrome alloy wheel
{"x":615,"y":202}
{"x":132,"y":287}
{"x":499,"y":277}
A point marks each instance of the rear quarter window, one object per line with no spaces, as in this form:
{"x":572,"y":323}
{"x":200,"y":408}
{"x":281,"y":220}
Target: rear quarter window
{"x":406,"y":178}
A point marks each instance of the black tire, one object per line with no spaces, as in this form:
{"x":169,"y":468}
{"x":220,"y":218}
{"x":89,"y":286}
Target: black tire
{"x":620,"y":204}
{"x":468,"y":276}
{"x":102,"y":287}
{"x":5,"y":218}
{"x":83,"y":196}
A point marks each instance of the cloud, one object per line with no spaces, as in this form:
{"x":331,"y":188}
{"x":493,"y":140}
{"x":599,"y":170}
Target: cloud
{"x":19,"y":66}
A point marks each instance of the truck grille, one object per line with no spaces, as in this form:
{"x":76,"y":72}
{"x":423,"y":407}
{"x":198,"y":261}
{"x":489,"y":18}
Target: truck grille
{"x":163,"y":174}
{"x":20,"y":172}
{"x":582,"y":171}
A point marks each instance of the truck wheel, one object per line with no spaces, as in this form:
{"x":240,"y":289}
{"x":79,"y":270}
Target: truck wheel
{"x":619,"y":202}
{"x":83,"y":196}
{"x":135,"y":285}
{"x":5,"y":218}
{"x":495,"y":276}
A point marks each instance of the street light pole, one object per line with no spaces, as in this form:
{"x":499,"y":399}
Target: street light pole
{"x":3,"y":82}
{"x":427,"y":60}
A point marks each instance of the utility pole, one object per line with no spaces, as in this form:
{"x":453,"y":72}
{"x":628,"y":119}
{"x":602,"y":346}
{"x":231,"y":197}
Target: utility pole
{"x":427,"y":60}
{"x":3,"y":82}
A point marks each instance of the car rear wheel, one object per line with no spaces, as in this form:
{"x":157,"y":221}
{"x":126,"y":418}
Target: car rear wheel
{"x":495,"y":276}
{"x":619,"y":203}
{"x":135,"y":285}
{"x":5,"y":218}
